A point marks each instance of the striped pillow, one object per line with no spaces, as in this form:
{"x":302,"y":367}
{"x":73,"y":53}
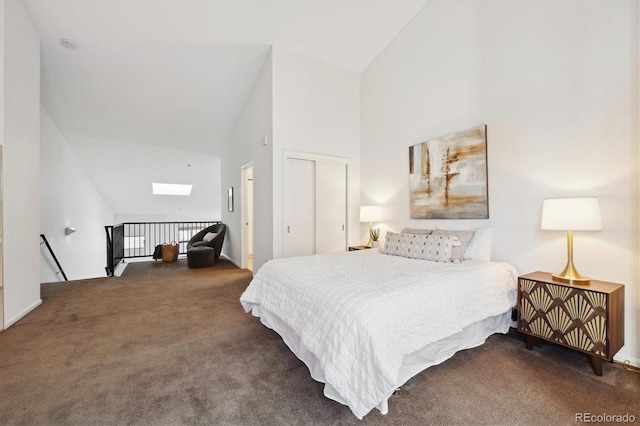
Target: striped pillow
{"x":436,"y":248}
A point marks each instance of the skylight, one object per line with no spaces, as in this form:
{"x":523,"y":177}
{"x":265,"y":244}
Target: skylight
{"x":171,"y":189}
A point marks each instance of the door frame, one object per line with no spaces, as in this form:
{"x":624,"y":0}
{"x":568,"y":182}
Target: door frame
{"x":2,"y":325}
{"x":245,"y":214}
{"x":300,"y":155}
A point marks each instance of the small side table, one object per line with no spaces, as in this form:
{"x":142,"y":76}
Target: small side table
{"x":585,"y":317}
{"x":356,"y":248}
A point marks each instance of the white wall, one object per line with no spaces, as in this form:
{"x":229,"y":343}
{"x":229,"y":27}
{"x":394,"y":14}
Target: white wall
{"x":316,"y":110}
{"x":246,"y":146}
{"x":20,"y":137}
{"x":68,"y":197}
{"x":557,"y":85}
{"x":123,"y":172}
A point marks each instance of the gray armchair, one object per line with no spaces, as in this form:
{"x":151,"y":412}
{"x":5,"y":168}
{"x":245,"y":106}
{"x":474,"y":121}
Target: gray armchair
{"x":216,"y":243}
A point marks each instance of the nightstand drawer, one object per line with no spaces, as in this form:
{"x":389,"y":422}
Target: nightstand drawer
{"x":574,"y":318}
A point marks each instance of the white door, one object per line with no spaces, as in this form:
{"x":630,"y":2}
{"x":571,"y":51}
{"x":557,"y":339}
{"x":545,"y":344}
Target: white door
{"x":247,"y":217}
{"x":299,"y":208}
{"x":249,"y":222}
{"x":331,"y":207}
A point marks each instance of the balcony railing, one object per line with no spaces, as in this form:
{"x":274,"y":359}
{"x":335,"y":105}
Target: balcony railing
{"x":139,"y":239}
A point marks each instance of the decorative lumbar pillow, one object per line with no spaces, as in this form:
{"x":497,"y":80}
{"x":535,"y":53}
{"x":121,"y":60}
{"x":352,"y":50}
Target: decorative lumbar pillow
{"x":416,"y":231}
{"x":209,"y":237}
{"x":463,"y":236}
{"x":436,"y":248}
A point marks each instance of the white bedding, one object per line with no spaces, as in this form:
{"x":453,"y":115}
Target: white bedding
{"x":361,"y":313}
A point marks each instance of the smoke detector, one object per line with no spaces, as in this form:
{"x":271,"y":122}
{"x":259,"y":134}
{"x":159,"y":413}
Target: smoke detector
{"x":68,"y":43}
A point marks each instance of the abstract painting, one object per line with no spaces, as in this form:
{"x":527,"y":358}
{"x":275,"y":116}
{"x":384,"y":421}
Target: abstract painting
{"x":448,"y":176}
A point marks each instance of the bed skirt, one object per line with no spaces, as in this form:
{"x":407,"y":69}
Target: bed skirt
{"x":434,"y":353}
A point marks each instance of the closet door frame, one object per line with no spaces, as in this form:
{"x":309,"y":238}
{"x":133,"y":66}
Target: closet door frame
{"x":300,"y":155}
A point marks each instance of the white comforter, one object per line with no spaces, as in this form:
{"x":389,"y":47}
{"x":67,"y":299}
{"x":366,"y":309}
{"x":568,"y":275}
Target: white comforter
{"x":360,"y":313}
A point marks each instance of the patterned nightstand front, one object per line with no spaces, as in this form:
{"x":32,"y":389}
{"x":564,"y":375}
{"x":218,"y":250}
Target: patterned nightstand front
{"x":588,"y":318}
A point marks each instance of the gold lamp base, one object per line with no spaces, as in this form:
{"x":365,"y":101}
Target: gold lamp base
{"x":571,"y":278}
{"x":570,"y":274}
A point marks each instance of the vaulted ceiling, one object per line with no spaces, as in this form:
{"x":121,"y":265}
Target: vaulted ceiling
{"x":176,"y":74}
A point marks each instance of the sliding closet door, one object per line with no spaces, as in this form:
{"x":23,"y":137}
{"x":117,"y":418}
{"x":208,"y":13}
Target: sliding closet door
{"x":331,"y":207}
{"x":299,"y":207}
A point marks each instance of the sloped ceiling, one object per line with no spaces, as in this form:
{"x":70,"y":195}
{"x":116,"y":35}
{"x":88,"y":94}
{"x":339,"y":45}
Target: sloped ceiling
{"x":176,"y":74}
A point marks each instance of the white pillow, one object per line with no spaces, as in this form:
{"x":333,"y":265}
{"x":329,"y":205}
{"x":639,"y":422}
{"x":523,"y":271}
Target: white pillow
{"x":479,"y":247}
{"x":209,"y":237}
{"x":416,"y":231}
{"x":436,"y":248}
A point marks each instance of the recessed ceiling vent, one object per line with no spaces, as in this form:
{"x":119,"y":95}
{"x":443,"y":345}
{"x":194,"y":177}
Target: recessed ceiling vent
{"x":68,"y":43}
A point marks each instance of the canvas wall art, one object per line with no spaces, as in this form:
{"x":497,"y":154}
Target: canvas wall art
{"x":448,"y":176}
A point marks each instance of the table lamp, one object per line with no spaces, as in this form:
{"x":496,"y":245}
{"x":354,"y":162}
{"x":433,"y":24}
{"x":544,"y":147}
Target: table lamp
{"x":370,"y":214}
{"x":571,"y":214}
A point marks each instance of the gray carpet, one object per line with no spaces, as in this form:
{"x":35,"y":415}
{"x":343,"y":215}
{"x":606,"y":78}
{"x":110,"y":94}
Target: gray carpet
{"x":168,"y":345}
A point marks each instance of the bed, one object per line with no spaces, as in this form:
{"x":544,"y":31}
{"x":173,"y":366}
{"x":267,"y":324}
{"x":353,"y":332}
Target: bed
{"x":365,"y":322}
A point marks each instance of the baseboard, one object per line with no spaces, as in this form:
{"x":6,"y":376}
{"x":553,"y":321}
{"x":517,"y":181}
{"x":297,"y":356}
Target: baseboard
{"x":20,"y":315}
{"x":225,"y":257}
{"x":635,"y":361}
{"x":120,"y":269}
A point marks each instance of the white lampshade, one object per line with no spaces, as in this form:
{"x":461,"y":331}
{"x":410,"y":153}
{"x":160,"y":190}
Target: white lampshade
{"x":370,"y":213}
{"x":571,"y":214}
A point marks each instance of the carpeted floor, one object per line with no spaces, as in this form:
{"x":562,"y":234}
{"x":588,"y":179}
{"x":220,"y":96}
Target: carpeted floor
{"x":164,"y":344}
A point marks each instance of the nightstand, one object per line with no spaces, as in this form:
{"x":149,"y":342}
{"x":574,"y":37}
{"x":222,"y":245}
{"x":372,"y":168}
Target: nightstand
{"x":355,"y":248}
{"x":586,"y":317}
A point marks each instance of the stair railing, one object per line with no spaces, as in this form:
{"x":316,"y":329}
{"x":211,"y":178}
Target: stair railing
{"x":138,"y":239}
{"x":55,"y":259}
